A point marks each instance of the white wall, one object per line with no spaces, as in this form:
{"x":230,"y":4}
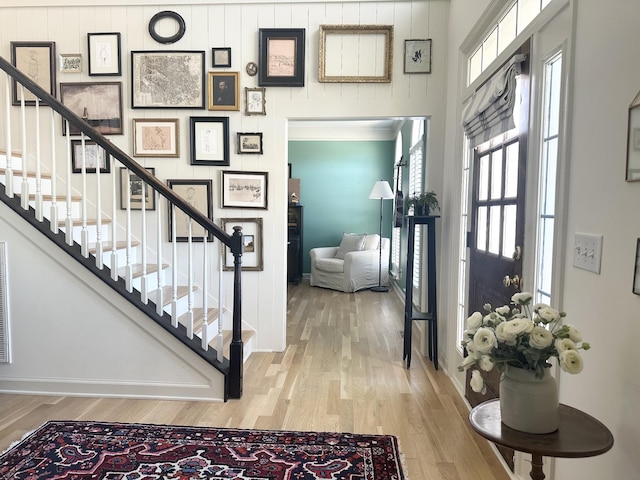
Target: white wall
{"x":599,"y":201}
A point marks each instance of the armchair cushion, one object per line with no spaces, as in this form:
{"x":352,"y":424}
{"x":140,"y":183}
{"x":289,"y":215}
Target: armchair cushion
{"x":351,"y":242}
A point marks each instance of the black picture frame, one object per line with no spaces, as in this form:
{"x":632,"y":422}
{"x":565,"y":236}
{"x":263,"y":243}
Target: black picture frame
{"x":197,"y":193}
{"x":168,"y":79}
{"x":220,"y":57}
{"x":135,"y":191}
{"x":104,"y":54}
{"x":38,"y":61}
{"x":636,"y":270}
{"x":94,"y":154}
{"x":250,"y":143}
{"x":209,"y":140}
{"x":281,"y":57}
{"x":98,"y":103}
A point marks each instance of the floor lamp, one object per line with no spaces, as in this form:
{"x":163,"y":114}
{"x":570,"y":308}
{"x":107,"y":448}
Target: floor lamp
{"x":381,"y":190}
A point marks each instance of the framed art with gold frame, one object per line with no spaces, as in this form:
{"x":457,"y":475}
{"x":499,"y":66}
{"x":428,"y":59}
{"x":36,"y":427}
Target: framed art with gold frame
{"x":223,"y":90}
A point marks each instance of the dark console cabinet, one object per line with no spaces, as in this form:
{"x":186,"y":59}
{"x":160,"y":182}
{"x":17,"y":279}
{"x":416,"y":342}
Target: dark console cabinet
{"x":294,"y":244}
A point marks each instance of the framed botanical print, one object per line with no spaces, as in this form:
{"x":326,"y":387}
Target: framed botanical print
{"x":98,"y":103}
{"x":70,"y":62}
{"x":155,"y":137}
{"x":104,"y":54}
{"x":92,"y":157}
{"x":139,"y":192}
{"x":417,"y":56}
{"x":254,"y":101}
{"x":223,"y":90}
{"x":252,"y":256}
{"x":37,"y":60}
{"x":244,"y":189}
{"x":282,"y":55}
{"x":196,"y":193}
{"x":209,"y":141}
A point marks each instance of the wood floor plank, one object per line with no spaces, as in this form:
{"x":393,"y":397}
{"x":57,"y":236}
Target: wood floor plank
{"x":342,"y":370}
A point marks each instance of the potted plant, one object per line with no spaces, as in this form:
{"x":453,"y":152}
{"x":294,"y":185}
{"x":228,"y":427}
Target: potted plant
{"x":423,"y":203}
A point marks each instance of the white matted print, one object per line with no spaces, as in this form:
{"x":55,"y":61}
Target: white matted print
{"x":155,"y":137}
{"x":244,"y":189}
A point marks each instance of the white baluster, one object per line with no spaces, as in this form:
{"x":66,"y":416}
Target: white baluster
{"x":189,"y":279}
{"x":174,"y":269}
{"x":8,"y":174}
{"x":144,"y":287}
{"x":205,"y":295}
{"x":69,"y":215}
{"x":84,"y":235}
{"x":99,"y":247}
{"x":114,"y":233}
{"x":24,"y":188}
{"x":38,"y":165}
{"x":219,"y":337}
{"x":129,"y":267}
{"x":160,"y":275}
{"x":53,"y":213}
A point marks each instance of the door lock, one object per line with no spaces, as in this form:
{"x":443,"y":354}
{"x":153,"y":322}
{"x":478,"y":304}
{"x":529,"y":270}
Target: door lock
{"x":515,"y":282}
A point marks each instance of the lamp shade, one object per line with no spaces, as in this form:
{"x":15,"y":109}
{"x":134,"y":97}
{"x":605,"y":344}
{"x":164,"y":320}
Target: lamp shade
{"x":381,"y":190}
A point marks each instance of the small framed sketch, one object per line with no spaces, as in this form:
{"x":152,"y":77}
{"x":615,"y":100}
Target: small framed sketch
{"x":220,"y":57}
{"x":282,"y":55}
{"x":417,"y":56}
{"x":70,"y":62}
{"x":98,"y":103}
{"x":104,"y":54}
{"x":636,"y":274}
{"x":250,"y":143}
{"x":93,"y":156}
{"x":244,"y":189}
{"x":37,"y":60}
{"x":223,"y":91}
{"x":252,"y":257}
{"x":138,"y":191}
{"x":155,"y":137}
{"x":197,"y":193}
{"x":254,"y":101}
{"x":209,"y":141}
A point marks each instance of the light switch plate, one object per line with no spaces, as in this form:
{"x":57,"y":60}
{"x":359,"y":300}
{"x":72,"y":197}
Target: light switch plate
{"x":587,"y":252}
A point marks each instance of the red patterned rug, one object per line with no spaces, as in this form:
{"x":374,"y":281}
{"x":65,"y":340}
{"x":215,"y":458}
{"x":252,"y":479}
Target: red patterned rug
{"x":121,"y":451}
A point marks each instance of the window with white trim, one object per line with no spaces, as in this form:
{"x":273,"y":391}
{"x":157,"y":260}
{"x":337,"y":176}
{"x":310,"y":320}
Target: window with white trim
{"x":416,"y":168}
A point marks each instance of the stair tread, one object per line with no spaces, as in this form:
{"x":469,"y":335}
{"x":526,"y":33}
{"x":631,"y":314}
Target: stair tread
{"x":78,"y":221}
{"x":30,"y":174}
{"x":167,"y":293}
{"x":14,"y":153}
{"x":106,"y":246}
{"x":48,"y":198}
{"x":136,"y":269}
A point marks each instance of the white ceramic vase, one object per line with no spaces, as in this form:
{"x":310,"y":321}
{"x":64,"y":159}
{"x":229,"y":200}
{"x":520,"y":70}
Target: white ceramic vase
{"x":527,"y":403}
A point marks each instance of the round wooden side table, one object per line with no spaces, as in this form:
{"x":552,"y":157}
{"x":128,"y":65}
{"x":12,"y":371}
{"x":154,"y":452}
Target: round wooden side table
{"x":579,"y":435}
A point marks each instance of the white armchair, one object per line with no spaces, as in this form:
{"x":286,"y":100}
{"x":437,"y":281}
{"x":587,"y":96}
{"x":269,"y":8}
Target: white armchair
{"x":357,"y":270}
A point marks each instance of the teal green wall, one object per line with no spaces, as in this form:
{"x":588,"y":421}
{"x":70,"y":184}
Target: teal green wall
{"x":336,"y":178}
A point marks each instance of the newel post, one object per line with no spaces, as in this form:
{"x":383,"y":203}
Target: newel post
{"x":236,"y":350}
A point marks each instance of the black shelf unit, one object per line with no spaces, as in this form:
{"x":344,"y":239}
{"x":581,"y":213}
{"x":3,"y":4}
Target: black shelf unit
{"x":410,"y":313}
{"x":294,"y":243}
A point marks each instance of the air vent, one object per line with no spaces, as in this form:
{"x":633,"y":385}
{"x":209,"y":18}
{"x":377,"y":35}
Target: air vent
{"x":5,"y":352}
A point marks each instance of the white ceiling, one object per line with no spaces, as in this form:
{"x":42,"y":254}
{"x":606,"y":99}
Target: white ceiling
{"x":345,"y":129}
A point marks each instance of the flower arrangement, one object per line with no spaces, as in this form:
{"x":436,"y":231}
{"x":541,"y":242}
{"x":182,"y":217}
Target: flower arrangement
{"x":524,"y":337}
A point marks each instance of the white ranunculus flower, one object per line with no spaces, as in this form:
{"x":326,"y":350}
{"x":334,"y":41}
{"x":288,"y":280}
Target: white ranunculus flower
{"x":574,"y":333}
{"x":548,"y":314}
{"x":518,"y":326}
{"x":467,"y":362}
{"x":540,"y":337}
{"x":484,"y":340}
{"x":563,"y":344}
{"x":521,"y":298}
{"x":477,"y":382}
{"x":504,"y":337}
{"x":504,"y":310}
{"x":571,"y":361}
{"x":485,"y":363}
{"x":474,"y":321}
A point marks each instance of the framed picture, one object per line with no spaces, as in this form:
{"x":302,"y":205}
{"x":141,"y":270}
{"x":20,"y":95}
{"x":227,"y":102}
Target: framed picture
{"x":281,"y":57}
{"x":633,"y":141}
{"x":155,"y":137}
{"x":223,"y":91}
{"x":636,"y":271}
{"x":104,"y":54}
{"x":244,"y":189}
{"x":220,"y":57}
{"x":209,"y":140}
{"x":371,"y":45}
{"x":138,"y":190}
{"x":196,"y":193}
{"x":37,"y":60}
{"x":250,"y":143}
{"x":167,"y":79}
{"x":417,"y":56}
{"x":252,"y":258}
{"x":254,"y":101}
{"x":70,"y":62}
{"x":98,"y":103}
{"x":94,"y":156}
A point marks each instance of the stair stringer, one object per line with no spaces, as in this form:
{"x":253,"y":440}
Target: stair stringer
{"x":73,"y":336}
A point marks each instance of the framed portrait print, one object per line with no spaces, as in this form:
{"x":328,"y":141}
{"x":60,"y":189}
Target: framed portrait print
{"x":281,"y":57}
{"x":104,"y":54}
{"x":155,"y":137}
{"x":98,"y":103}
{"x":196,"y":193}
{"x":94,"y":156}
{"x":254,"y":101}
{"x":167,"y":79}
{"x":37,"y":60}
{"x":244,"y":189}
{"x":417,"y":56}
{"x":139,"y":191}
{"x":252,"y":257}
{"x":223,"y":90}
{"x":70,"y":62}
{"x":209,"y":140}
{"x":220,"y":57}
{"x":371,"y":45}
{"x":250,"y":143}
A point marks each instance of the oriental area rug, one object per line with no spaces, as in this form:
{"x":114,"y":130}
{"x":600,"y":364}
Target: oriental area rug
{"x":121,"y":451}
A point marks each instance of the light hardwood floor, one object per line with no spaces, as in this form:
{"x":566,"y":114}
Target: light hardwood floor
{"x":342,"y":370}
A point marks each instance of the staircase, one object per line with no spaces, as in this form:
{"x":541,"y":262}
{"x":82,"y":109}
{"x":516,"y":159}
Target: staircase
{"x":179,"y":286}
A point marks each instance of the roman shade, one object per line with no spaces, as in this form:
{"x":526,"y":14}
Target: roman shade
{"x":489,"y":111}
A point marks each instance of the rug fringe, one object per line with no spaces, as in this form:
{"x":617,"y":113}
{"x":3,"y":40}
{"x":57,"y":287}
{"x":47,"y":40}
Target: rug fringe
{"x":24,"y":437}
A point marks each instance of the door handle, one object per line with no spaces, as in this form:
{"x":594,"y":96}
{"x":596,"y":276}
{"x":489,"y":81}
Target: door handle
{"x":515,"y":282}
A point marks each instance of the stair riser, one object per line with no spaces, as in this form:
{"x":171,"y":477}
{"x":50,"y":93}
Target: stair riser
{"x":45,"y":185}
